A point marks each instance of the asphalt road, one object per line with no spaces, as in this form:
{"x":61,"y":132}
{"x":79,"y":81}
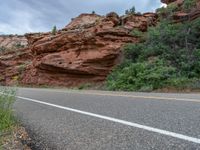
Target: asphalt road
{"x":97,"y":120}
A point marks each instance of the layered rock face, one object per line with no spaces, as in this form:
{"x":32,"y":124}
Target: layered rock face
{"x":12,"y":55}
{"x":12,"y":65}
{"x":85,"y":51}
{"x":10,"y":41}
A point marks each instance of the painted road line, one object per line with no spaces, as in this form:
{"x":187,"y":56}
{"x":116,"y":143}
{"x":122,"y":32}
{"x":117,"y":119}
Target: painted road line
{"x":132,"y":124}
{"x":122,"y":95}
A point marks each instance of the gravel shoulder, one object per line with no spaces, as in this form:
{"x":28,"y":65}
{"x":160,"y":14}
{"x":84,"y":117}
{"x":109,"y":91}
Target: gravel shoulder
{"x":16,"y":139}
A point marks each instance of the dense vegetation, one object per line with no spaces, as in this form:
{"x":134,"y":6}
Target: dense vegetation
{"x":169,"y":57}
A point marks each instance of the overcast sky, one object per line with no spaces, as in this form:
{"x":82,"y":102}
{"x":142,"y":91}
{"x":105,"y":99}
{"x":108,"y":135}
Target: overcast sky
{"x":22,"y":16}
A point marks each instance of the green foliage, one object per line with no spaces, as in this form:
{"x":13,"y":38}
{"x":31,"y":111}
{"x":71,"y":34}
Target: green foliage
{"x":168,"y":11}
{"x":171,"y":8}
{"x":84,"y":86}
{"x":18,"y":45}
{"x":137,"y":33}
{"x":54,"y":30}
{"x":140,"y":76}
{"x":130,"y":11}
{"x":22,"y":67}
{"x":170,"y":57}
{"x":133,"y":51}
{"x":2,"y":49}
{"x":93,"y":12}
{"x":177,"y":44}
{"x":7,"y":98}
{"x":189,"y":4}
{"x":160,"y":10}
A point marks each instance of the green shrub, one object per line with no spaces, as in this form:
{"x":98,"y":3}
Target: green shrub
{"x":22,"y":68}
{"x":189,"y":4}
{"x":7,"y":98}
{"x":2,"y":49}
{"x":133,"y":51}
{"x":54,"y":30}
{"x":137,"y":33}
{"x":167,"y":12}
{"x":178,"y":82}
{"x":170,"y":57}
{"x":18,"y":45}
{"x":140,"y":76}
{"x":130,"y":11}
{"x":84,"y":86}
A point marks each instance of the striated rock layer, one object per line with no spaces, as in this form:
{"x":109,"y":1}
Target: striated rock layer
{"x":85,"y":51}
{"x":10,"y":41}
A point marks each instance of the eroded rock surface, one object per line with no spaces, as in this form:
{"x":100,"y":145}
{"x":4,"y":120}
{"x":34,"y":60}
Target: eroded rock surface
{"x":85,"y":51}
{"x":10,"y":41}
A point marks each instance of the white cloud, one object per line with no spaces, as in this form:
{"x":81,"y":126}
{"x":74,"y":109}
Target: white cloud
{"x":21,"y":16}
{"x":163,"y":5}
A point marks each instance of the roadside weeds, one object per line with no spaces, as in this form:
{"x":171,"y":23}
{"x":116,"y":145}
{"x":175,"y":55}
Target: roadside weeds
{"x":12,"y":136}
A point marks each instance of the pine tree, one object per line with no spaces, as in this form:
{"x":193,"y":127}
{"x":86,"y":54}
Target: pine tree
{"x":54,"y":30}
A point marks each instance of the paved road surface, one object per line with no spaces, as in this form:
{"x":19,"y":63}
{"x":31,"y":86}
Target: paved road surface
{"x":96,"y":120}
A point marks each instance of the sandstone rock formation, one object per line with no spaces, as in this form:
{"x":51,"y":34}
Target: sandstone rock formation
{"x":85,"y":51}
{"x":10,"y":41}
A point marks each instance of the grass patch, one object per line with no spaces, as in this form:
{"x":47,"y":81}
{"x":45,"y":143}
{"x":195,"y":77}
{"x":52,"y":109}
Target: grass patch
{"x":7,"y":120}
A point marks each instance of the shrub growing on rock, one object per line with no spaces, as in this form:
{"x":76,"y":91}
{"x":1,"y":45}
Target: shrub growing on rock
{"x":54,"y":30}
{"x":170,"y":56}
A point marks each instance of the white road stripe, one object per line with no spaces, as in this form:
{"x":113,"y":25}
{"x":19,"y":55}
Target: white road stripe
{"x":148,"y":128}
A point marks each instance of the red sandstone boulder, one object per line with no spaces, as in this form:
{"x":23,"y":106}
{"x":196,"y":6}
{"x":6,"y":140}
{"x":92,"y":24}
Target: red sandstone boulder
{"x":139,"y":21}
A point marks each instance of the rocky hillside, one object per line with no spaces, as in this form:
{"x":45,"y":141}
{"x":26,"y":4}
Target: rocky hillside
{"x":168,"y":58}
{"x":85,"y":51}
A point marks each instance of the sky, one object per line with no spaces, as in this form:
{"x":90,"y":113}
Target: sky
{"x":25,"y":16}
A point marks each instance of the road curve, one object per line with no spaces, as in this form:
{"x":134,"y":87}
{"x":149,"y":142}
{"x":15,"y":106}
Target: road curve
{"x":90,"y":120}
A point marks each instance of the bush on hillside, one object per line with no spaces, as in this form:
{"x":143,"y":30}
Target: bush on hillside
{"x":130,"y":11}
{"x":54,"y":30}
{"x":189,"y":4}
{"x":140,"y":76}
{"x":170,"y":56}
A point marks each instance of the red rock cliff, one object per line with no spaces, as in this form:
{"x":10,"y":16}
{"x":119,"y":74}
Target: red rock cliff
{"x":85,"y":51}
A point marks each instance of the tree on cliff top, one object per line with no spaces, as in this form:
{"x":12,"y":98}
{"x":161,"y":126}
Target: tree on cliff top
{"x":54,"y":30}
{"x":130,"y":11}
